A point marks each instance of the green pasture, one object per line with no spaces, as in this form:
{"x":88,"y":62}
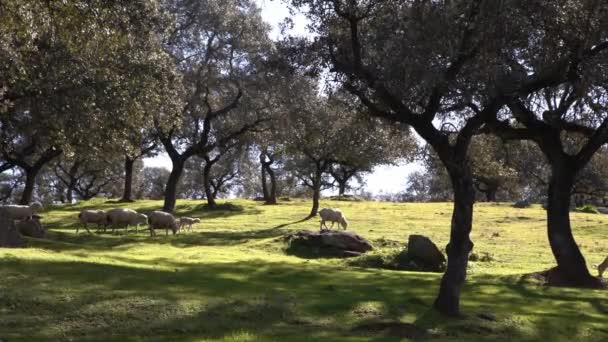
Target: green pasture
{"x":231,"y":279}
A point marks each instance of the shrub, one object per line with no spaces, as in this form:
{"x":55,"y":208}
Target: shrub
{"x":349,"y":198}
{"x":390,"y":259}
{"x":588,"y":208}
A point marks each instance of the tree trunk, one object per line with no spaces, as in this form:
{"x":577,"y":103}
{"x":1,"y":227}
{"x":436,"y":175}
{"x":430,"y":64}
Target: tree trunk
{"x":448,"y":299}
{"x":316,"y":194}
{"x":571,"y":264}
{"x":207,"y":185}
{"x":128,"y":190}
{"x":264,"y":186}
{"x":30,"y":182}
{"x":171,"y":188}
{"x":272,"y":199}
{"x":341,"y":187}
{"x":69,"y":192}
{"x":491,"y":194}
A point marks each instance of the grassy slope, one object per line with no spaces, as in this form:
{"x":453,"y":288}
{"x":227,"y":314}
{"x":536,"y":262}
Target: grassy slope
{"x":230,"y":280}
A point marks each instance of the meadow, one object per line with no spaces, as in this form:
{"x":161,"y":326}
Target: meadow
{"x":232,"y":280}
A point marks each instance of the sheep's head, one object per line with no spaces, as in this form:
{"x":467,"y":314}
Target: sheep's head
{"x":142,"y":219}
{"x":196,"y":220}
{"x":344,"y":223}
{"x":174,"y":227}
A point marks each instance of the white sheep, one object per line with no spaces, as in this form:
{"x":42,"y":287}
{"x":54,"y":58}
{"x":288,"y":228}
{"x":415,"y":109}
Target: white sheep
{"x":602,"y":267}
{"x":91,"y":216}
{"x":333,"y":216}
{"x":22,"y":212}
{"x":123,"y":216}
{"x":187,"y":221}
{"x":159,"y":220}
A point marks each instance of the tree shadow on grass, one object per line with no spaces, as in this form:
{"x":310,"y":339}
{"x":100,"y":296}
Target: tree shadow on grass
{"x":163,"y":297}
{"x":71,"y":299}
{"x":307,"y":218}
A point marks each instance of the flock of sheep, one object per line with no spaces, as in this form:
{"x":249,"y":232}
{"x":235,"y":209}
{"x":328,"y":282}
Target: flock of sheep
{"x":119,"y":217}
{"x":161,"y":220}
{"x":114,"y":218}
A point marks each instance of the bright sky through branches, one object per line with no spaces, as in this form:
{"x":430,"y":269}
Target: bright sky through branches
{"x":384,"y":179}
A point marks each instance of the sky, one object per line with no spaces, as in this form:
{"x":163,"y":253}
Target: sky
{"x":384,"y":178}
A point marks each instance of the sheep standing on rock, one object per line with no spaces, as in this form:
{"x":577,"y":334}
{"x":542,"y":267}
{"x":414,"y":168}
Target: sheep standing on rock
{"x":187,"y":221}
{"x":127,"y":217}
{"x":333,"y":216}
{"x":602,"y":267}
{"x":91,"y":216}
{"x":160,"y":220}
{"x":22,"y":212}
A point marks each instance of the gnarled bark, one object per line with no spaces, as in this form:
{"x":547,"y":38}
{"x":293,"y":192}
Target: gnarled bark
{"x":171,"y":188}
{"x":128,"y":185}
{"x":571,"y":264}
{"x":448,"y":299}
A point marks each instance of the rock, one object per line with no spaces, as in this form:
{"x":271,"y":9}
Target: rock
{"x":31,"y":228}
{"x":423,"y":250}
{"x":9,"y":234}
{"x":336,"y":243}
{"x":488,"y":316}
{"x":521,"y":204}
{"x":345,"y":240}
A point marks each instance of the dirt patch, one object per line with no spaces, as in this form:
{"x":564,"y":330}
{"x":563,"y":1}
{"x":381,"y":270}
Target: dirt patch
{"x":396,"y":329}
{"x":552,"y":277}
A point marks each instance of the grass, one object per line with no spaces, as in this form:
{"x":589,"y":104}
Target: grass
{"x":231,"y":280}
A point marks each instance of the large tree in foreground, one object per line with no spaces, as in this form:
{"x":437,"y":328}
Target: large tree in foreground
{"x":569,"y":121}
{"x":443,"y":67}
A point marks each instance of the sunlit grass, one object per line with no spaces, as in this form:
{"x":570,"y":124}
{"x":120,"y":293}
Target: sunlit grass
{"x":230,"y":279}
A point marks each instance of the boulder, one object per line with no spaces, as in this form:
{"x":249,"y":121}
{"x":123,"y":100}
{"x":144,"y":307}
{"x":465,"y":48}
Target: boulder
{"x":421,"y":249}
{"x":345,"y":240}
{"x":336,"y":243}
{"x":31,"y":228}
{"x":9,"y":234}
{"x":522,"y":204}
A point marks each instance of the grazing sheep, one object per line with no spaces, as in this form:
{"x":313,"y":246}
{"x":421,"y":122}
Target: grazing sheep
{"x":160,"y":220}
{"x":22,"y":212}
{"x":333,"y":216}
{"x":91,"y":216}
{"x":187,"y":221}
{"x":602,"y":267}
{"x":120,"y":216}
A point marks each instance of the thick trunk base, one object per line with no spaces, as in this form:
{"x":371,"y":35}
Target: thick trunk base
{"x":554,"y":277}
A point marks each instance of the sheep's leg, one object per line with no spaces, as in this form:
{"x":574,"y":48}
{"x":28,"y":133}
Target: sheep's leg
{"x":321,"y":225}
